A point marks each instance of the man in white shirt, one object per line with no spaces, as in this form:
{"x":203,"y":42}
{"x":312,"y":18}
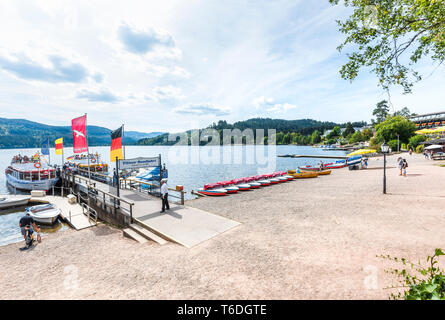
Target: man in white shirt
{"x":164,"y":195}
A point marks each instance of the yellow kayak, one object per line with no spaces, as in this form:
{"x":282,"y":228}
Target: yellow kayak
{"x":291,"y":172}
{"x":320,"y":173}
{"x":304,"y":175}
{"x":324,"y":172}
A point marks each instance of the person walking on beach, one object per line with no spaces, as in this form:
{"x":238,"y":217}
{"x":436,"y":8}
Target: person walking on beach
{"x":404,"y":166}
{"x":410,"y":151}
{"x":400,"y":164}
{"x":164,"y":195}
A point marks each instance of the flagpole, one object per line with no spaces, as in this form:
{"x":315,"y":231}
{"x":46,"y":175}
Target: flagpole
{"x":88,"y":150}
{"x":123,"y":139}
{"x":49,"y":153}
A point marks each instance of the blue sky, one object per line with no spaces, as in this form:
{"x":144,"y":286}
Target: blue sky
{"x":177,"y":65}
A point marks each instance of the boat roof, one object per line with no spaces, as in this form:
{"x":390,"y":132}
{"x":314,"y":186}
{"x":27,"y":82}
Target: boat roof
{"x":29,"y":166}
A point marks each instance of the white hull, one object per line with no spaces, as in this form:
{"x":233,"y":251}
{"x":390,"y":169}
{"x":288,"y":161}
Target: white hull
{"x":13,"y":201}
{"x":31,"y":185}
{"x":42,"y":215}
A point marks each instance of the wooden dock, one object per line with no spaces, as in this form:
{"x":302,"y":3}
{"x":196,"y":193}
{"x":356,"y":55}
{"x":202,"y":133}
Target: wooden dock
{"x":73,"y":214}
{"x":181,"y":224}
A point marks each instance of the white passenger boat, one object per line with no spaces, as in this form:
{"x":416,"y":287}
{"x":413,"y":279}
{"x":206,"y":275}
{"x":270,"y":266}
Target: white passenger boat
{"x":82,"y":161}
{"x":9,"y":201}
{"x":30,"y":175}
{"x":44,"y":213}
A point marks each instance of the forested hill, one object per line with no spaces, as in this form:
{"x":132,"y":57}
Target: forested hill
{"x":302,"y":127}
{"x":20,"y":133}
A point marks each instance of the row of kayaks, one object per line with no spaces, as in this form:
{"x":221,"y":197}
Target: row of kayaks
{"x":223,"y":188}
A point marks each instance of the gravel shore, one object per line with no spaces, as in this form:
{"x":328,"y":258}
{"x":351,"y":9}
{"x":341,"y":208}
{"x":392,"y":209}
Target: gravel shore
{"x":306,"y":239}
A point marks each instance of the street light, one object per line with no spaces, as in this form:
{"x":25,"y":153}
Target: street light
{"x":385,"y":150}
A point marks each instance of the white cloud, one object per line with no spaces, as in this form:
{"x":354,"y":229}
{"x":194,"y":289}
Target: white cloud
{"x":267,"y":104}
{"x":201,"y":110}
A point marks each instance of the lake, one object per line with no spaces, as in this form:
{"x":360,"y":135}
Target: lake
{"x":193,"y":166}
{"x":190,"y":166}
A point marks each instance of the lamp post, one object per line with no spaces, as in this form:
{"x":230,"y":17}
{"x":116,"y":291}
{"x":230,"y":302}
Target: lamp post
{"x":385,"y":150}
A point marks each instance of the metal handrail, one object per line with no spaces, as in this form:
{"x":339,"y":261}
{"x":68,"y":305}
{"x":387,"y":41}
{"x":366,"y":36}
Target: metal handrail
{"x":182,"y":192}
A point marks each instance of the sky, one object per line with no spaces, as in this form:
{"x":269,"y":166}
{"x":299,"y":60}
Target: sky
{"x":175,"y":65}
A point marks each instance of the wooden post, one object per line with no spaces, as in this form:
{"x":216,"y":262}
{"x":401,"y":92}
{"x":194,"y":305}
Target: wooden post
{"x":182,"y":197}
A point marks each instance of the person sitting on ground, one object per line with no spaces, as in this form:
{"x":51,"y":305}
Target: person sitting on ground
{"x":27,"y":226}
{"x":400,"y":164}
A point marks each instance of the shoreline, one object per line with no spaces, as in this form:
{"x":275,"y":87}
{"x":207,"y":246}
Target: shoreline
{"x":306,"y":239}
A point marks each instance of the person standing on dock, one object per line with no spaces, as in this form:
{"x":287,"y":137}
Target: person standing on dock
{"x":164,"y":195}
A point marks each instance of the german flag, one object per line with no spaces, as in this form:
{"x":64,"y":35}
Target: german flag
{"x":116,"y":145}
{"x":59,"y":146}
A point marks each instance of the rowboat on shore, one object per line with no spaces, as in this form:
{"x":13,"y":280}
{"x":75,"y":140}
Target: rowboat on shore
{"x":212,"y":192}
{"x":320,"y":173}
{"x":228,"y":186}
{"x":8,"y":201}
{"x":305,"y":175}
{"x":44,"y":213}
{"x":213,"y":189}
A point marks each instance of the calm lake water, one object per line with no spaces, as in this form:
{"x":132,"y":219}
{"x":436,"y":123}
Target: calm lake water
{"x":192,"y":166}
{"x":189,"y":166}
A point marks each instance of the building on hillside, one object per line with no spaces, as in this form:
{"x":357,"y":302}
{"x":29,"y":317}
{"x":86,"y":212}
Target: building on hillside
{"x":429,"y":120}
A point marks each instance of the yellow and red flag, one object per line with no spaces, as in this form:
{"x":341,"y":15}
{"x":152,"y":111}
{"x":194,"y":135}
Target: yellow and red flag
{"x":116,"y":145}
{"x":59,"y":146}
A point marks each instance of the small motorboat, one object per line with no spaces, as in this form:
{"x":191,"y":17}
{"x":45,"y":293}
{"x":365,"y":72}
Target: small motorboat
{"x":212,"y":192}
{"x":335,"y":165}
{"x":305,"y":175}
{"x":9,"y":201}
{"x":44,"y":213}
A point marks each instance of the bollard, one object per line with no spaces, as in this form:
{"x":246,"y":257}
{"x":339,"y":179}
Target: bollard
{"x":70,"y":215}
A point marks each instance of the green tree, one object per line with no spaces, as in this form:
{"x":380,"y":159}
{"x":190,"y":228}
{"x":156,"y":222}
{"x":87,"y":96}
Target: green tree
{"x":336,"y":132}
{"x":416,"y":140}
{"x":404,"y":112}
{"x":349,"y":130}
{"x":393,"y":126}
{"x":391,"y":36}
{"x":367,"y":134}
{"x":316,"y":137}
{"x":356,"y":137}
{"x":381,"y":111}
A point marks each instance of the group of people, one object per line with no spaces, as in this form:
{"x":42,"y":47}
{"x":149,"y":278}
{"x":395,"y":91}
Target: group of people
{"x":402,"y":164}
{"x":428,"y":154}
{"x":23,"y":159}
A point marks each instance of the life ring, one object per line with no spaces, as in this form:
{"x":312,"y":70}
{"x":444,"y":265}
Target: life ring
{"x":93,"y":160}
{"x":37,"y":165}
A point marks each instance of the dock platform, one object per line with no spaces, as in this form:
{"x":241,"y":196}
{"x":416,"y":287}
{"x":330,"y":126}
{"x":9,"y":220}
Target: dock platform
{"x":70,"y":213}
{"x":181,"y":224}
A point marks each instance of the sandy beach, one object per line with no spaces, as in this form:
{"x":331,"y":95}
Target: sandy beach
{"x":306,"y":239}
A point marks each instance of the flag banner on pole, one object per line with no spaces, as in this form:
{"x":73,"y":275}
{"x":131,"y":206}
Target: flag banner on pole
{"x":80,"y":140}
{"x":116,"y":145}
{"x":59,"y":146}
{"x":45,"y":147}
